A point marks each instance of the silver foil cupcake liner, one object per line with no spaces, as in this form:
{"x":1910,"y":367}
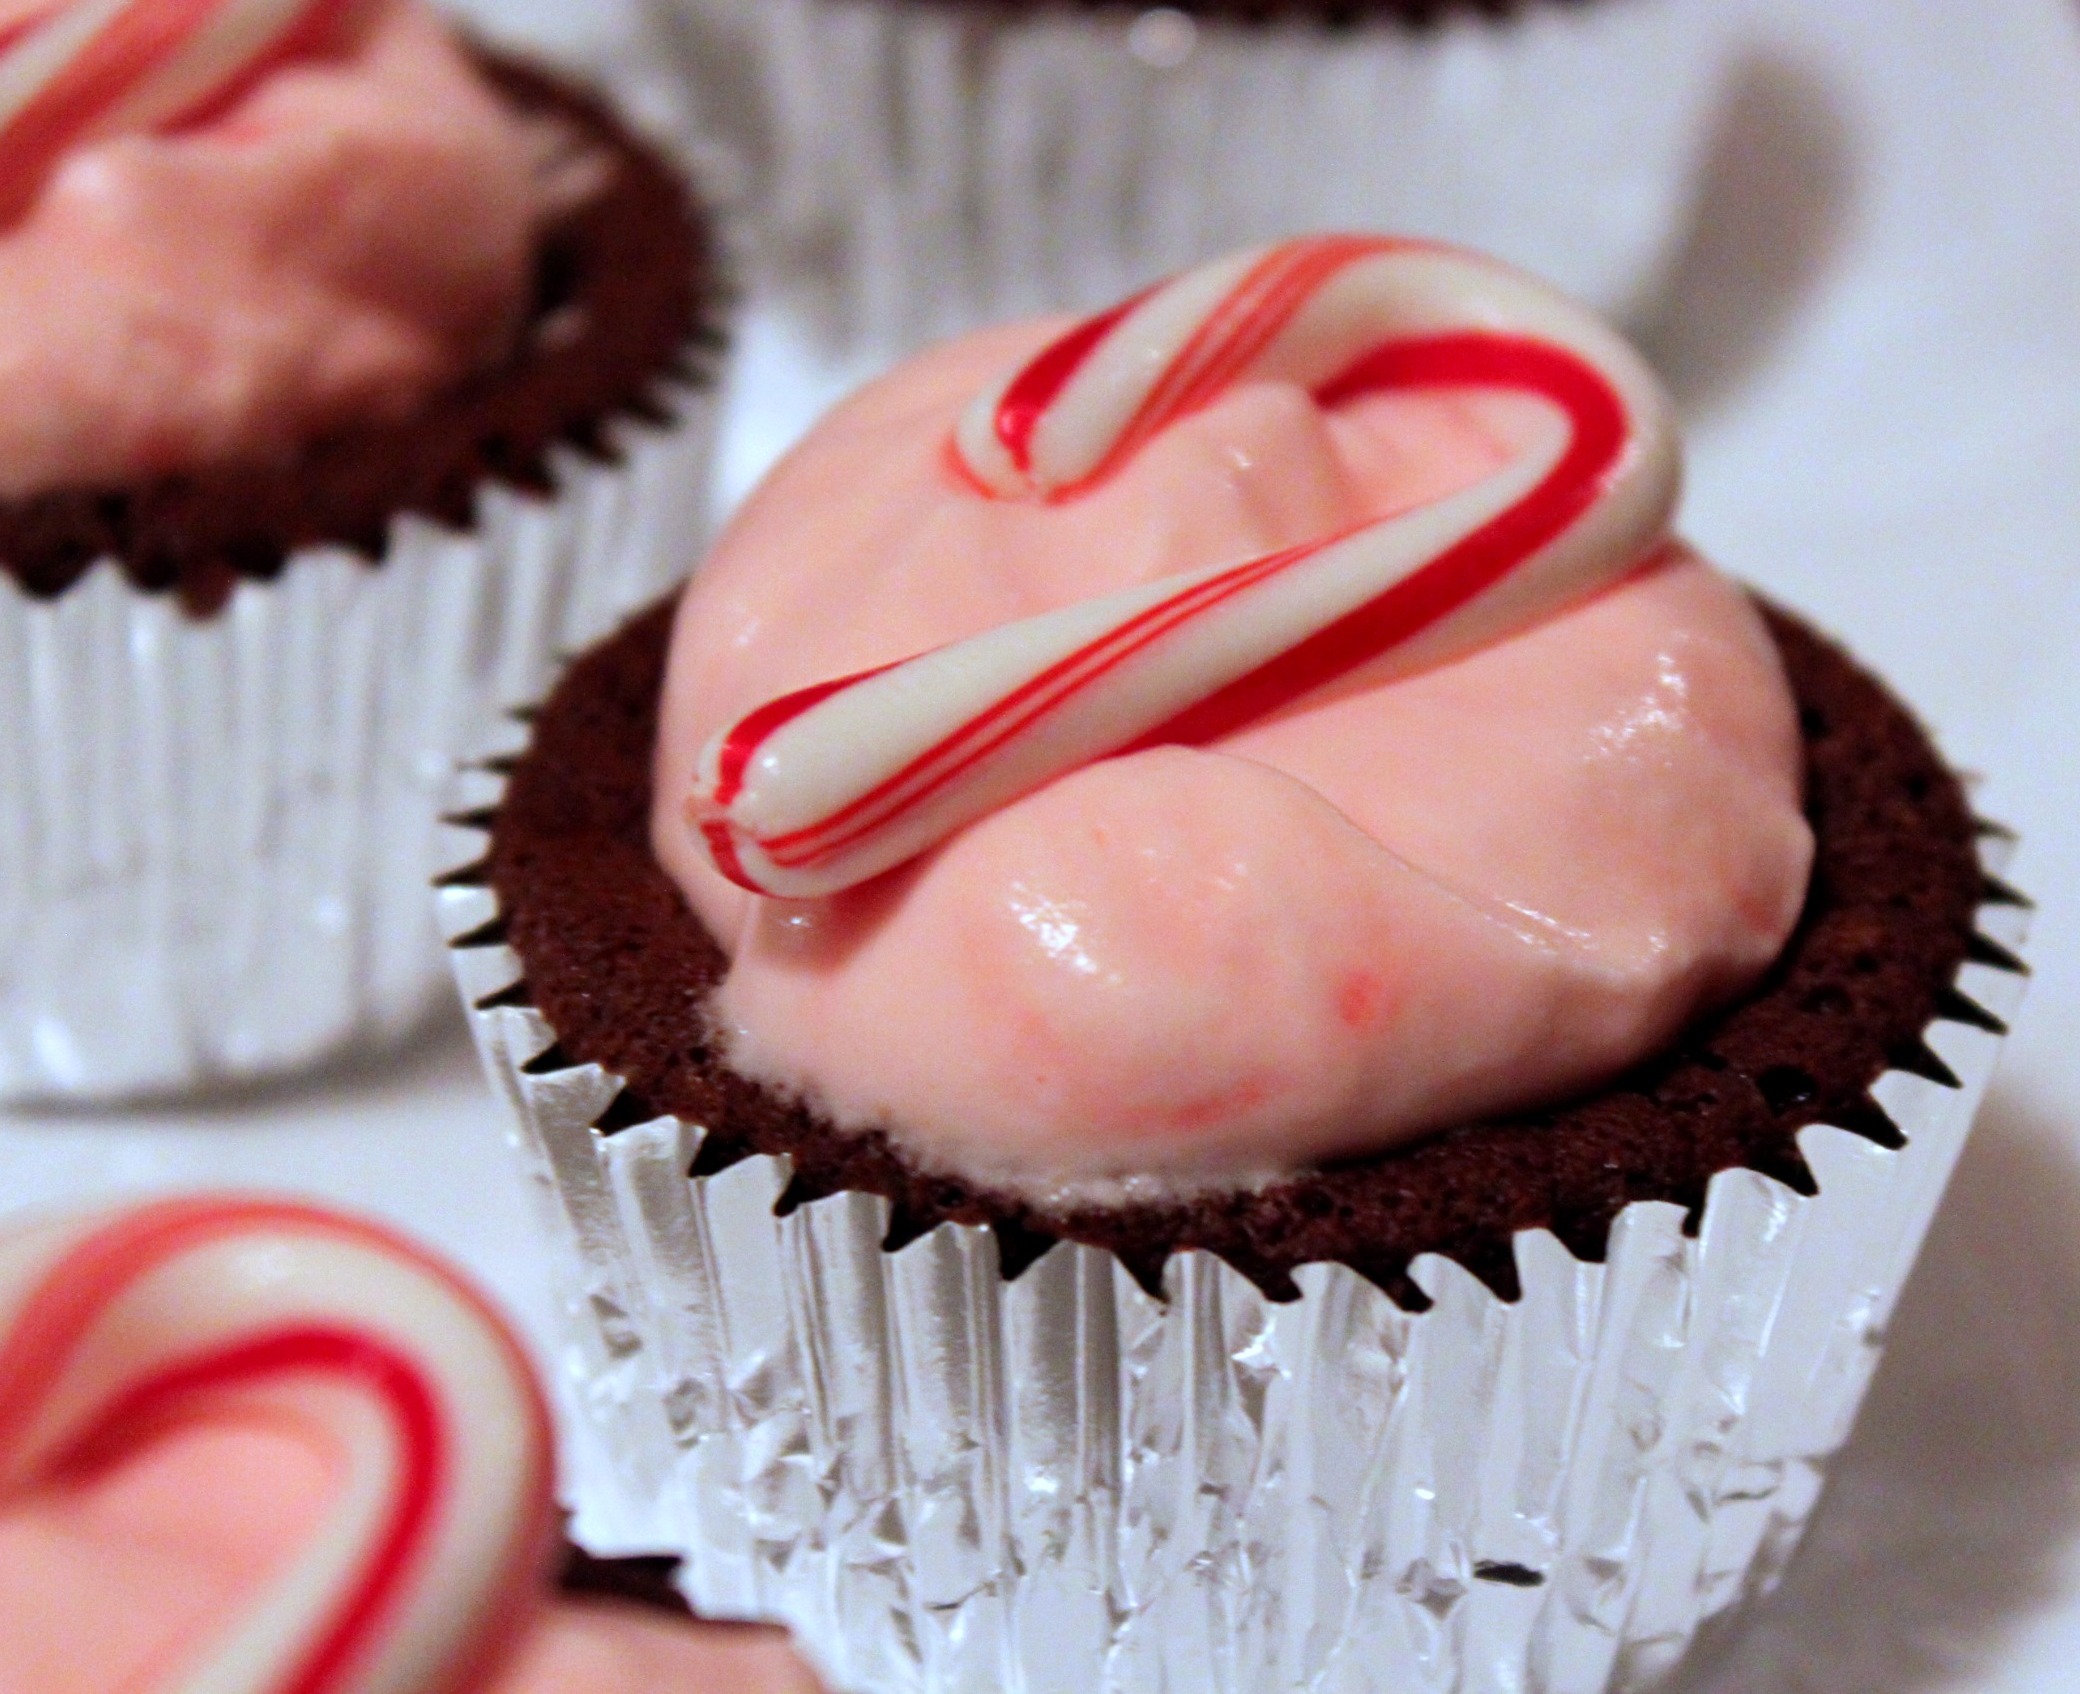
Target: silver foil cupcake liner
{"x":946,"y":1482}
{"x":911,"y":169}
{"x":216,"y":834}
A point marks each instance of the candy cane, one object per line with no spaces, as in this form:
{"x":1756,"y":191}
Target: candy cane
{"x":824,"y":788}
{"x":437,"y":1537}
{"x":79,"y":70}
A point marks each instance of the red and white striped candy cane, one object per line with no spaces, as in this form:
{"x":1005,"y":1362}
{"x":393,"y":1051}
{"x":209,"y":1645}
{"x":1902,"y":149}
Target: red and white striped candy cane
{"x":77,"y":70}
{"x":824,"y":788}
{"x":435,"y":1542}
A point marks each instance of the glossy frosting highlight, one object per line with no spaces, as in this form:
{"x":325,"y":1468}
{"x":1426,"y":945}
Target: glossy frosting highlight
{"x":1387,"y":908}
{"x":346,"y":238}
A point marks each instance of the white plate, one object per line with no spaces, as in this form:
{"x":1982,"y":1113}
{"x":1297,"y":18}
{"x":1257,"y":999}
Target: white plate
{"x":1877,"y":336}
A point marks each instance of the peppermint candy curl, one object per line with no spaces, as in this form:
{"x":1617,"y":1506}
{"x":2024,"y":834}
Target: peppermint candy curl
{"x":81,"y":70}
{"x":434,"y":1545}
{"x":829,"y":786}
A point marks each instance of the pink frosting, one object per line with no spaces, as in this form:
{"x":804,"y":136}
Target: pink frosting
{"x":118,"y":1579}
{"x":1389,"y":908}
{"x":343,"y":241}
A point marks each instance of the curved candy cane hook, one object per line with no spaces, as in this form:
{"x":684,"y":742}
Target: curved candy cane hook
{"x":438,"y":1534}
{"x":76,"y":70}
{"x":824,"y":788}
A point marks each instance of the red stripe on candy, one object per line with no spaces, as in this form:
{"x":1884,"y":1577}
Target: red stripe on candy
{"x":1233,"y":336}
{"x":1202,"y":355}
{"x":958,"y":468}
{"x":138,"y":43}
{"x":315,"y":31}
{"x":1040,"y":384}
{"x":135,"y":43}
{"x":12,"y":32}
{"x":752,"y":732}
{"x":722,"y":848}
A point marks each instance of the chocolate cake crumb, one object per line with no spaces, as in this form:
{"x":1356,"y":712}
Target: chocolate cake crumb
{"x":621,"y":968}
{"x":645,"y":1580}
{"x":625,"y":305}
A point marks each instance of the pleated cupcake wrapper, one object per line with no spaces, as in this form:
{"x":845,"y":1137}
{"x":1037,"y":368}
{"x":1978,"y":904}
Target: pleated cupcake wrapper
{"x":913,"y":169}
{"x":1059,"y":1485}
{"x":216,"y":835}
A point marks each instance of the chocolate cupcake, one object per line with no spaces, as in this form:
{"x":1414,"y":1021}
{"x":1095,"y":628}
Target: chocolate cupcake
{"x":1347,"y":1119}
{"x":361,"y":396}
{"x":914,"y":168}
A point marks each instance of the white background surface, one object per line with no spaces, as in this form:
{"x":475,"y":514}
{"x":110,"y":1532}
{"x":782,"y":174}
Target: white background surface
{"x":1876,"y":336}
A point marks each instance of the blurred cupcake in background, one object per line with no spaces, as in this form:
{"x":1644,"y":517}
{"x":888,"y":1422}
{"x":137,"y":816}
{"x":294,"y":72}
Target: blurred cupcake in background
{"x":352,"y":375}
{"x":915,"y":167}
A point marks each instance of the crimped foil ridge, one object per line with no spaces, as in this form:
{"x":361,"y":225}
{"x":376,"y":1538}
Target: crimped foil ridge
{"x":217,"y":832}
{"x":914,"y":170}
{"x":944,"y":1481}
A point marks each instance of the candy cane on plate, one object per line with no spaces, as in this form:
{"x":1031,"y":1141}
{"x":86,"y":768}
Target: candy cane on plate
{"x":826,"y":787}
{"x":435,"y":1541}
{"x":77,"y":70}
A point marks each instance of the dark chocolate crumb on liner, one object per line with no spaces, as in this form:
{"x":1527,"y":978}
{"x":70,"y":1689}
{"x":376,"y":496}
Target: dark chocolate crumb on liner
{"x":626,"y":306}
{"x":643,"y":1580}
{"x":621,"y":969}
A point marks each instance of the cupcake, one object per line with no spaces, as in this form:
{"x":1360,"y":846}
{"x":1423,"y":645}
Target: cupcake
{"x":913,"y":168}
{"x":356,"y":376}
{"x":1204,"y":1017}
